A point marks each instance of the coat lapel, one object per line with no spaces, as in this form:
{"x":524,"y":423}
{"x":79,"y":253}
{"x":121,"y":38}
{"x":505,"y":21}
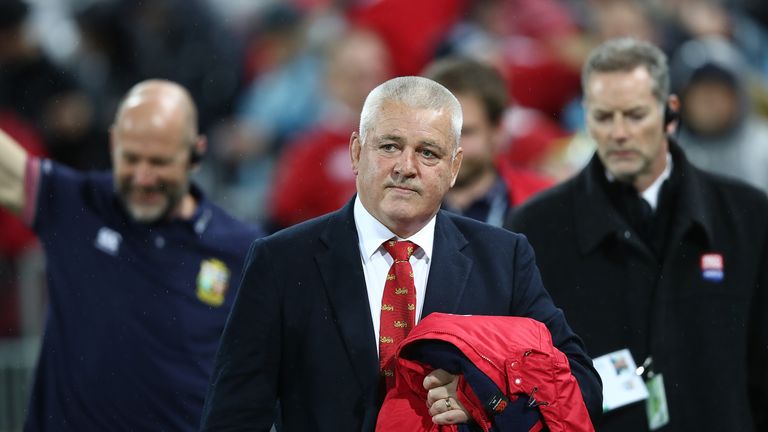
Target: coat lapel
{"x":344,"y":282}
{"x":449,"y":271}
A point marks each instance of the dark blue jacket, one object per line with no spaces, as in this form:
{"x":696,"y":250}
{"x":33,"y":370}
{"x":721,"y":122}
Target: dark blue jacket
{"x":301,"y":331}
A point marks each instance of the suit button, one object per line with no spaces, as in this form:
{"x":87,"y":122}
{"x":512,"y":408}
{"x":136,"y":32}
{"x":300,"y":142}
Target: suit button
{"x":627,"y":234}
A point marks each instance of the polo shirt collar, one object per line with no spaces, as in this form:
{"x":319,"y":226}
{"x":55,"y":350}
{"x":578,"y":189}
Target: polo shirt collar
{"x":203,"y":214}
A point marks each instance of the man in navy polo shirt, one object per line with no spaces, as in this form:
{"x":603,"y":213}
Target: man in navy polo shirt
{"x":141,"y":268}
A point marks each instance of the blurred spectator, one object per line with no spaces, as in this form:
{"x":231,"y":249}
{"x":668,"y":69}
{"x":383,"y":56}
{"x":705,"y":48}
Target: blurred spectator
{"x":413,"y":30}
{"x":45,"y":95}
{"x":542,"y":67}
{"x":719,"y":130}
{"x":283,"y":98}
{"x":285,"y":94}
{"x":106,"y":59}
{"x":487,"y":186}
{"x":123,"y":42}
{"x":531,"y":140}
{"x":738,"y":21}
{"x":314,"y":175}
{"x":181,"y":40}
{"x":542,"y":64}
{"x":623,"y":18}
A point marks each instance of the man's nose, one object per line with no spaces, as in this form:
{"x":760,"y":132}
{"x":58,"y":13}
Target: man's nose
{"x":618,"y":128}
{"x":406,"y":163}
{"x":144,"y":175}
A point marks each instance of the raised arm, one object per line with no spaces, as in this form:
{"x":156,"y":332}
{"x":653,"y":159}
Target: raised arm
{"x":13,"y":159}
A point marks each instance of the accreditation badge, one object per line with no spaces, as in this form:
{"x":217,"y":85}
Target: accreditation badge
{"x":212,"y":282}
{"x":656,"y":405}
{"x":622,"y":385}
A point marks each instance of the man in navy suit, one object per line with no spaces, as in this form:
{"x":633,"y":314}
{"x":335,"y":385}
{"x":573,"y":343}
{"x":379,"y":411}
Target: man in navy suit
{"x":304,"y":329}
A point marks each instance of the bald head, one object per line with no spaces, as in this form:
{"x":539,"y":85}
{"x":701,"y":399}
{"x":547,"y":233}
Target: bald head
{"x":156,"y":103}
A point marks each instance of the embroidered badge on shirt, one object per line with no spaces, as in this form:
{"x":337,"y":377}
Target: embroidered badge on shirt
{"x":108,"y":240}
{"x":712,"y":268}
{"x":212,"y":282}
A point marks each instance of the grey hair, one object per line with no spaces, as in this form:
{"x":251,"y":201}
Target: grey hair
{"x":626,"y":54}
{"x":414,"y":92}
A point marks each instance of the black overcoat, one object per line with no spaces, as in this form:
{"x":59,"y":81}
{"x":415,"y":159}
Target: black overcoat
{"x":708,"y":337}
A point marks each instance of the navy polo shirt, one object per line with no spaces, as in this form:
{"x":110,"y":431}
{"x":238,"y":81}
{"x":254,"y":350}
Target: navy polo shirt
{"x":135,"y":310}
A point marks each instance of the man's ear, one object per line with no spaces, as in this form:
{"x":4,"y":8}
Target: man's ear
{"x":456,"y":164}
{"x":671,"y":114}
{"x":355,"y":146}
{"x":198,"y":151}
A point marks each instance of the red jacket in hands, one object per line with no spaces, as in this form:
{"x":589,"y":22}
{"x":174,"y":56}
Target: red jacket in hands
{"x":515,"y":353}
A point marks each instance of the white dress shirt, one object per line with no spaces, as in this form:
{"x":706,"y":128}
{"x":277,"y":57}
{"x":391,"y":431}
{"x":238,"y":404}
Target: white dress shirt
{"x":652,"y":192}
{"x":377,"y":261}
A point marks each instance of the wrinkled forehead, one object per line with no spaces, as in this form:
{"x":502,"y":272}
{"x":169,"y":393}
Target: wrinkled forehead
{"x":402,"y":120}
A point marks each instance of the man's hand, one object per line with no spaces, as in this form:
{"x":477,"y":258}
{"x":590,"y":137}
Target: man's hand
{"x":12,"y":162}
{"x":444,"y":407}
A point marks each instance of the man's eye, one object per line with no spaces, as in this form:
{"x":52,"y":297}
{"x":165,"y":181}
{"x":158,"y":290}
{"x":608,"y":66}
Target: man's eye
{"x":602,"y":118}
{"x":388,"y":147}
{"x":160,"y":162}
{"x":428,"y":154}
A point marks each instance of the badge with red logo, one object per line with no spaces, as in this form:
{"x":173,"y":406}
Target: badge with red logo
{"x":496,"y":404}
{"x":712,"y":267}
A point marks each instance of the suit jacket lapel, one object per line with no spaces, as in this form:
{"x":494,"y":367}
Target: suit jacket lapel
{"x":344,"y":282}
{"x":449,"y":270}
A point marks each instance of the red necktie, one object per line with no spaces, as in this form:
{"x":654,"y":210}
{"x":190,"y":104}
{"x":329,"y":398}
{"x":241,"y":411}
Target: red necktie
{"x":398,"y":305}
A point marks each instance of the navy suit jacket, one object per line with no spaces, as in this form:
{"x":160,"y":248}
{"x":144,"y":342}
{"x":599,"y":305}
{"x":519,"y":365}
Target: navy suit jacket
{"x":300,"y":330}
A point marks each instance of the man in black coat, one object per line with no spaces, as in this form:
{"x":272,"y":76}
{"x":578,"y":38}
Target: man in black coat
{"x":644,"y":251}
{"x":308,"y":324}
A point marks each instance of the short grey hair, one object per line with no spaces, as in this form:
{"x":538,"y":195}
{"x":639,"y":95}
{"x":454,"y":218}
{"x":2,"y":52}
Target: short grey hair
{"x":626,"y":54}
{"x":414,"y":92}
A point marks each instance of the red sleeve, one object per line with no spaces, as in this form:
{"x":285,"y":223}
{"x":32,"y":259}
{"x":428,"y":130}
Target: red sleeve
{"x":312,"y":178}
{"x":289,"y":191}
{"x":15,"y":235}
{"x":522,"y":183}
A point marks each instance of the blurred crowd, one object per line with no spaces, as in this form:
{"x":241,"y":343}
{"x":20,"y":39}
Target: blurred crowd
{"x":280,"y":84}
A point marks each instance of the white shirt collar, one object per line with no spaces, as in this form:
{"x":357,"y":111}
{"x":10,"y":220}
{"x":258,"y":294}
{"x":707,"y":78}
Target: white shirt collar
{"x":651,"y":193}
{"x":372,"y":234}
